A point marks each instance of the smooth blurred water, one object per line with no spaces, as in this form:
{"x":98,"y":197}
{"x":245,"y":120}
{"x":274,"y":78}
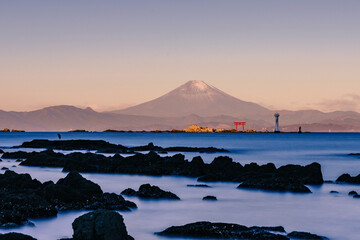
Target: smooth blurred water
{"x":334,"y":215}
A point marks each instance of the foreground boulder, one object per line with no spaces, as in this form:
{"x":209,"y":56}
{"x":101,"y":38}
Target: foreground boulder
{"x":100,"y":225}
{"x":346,"y":178}
{"x":15,"y":236}
{"x":20,"y":200}
{"x":305,"y":235}
{"x":22,"y":197}
{"x":223,"y":231}
{"x":147,"y":191}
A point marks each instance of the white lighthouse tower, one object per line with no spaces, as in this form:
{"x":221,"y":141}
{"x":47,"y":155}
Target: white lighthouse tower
{"x":277,"y":115}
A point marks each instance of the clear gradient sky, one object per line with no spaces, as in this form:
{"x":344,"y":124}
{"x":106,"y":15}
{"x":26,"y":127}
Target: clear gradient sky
{"x":283,"y":54}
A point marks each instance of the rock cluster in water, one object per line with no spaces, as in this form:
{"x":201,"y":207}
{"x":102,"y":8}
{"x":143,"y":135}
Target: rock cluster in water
{"x":346,"y":178}
{"x":22,"y":197}
{"x":102,"y":146}
{"x":147,"y":191}
{"x":234,"y":231}
{"x":290,"y":178}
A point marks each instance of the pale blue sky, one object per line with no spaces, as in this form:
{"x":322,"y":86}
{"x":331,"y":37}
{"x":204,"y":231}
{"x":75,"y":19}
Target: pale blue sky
{"x":290,"y":54}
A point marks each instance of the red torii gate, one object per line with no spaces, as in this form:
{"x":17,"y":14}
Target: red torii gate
{"x":240,"y":123}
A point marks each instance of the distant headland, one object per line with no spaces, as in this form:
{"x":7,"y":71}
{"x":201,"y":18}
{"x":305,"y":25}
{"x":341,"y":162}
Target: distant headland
{"x":194,"y":128}
{"x":12,"y":130}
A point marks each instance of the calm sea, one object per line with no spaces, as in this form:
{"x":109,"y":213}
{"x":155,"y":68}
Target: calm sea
{"x":336,"y":216}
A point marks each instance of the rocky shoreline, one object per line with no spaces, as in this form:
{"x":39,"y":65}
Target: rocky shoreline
{"x":291,"y":178}
{"x":22,"y":197}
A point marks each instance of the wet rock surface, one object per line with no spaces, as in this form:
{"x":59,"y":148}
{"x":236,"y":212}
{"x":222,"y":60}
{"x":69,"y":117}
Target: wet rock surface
{"x":100,"y":225}
{"x":15,"y":236}
{"x":352,"y":193}
{"x":22,"y":197}
{"x":346,"y":178}
{"x":223,"y":231}
{"x":234,"y":231}
{"x":105,"y":147}
{"x":275,"y":183}
{"x":290,"y":178}
{"x":210,"y":198}
{"x":305,"y":235}
{"x":45,"y":158}
{"x":199,"y":185}
{"x":146,"y":191}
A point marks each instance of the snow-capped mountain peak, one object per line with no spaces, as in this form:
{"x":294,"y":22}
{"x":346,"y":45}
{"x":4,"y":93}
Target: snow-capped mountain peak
{"x":195,"y":87}
{"x":196,"y":97}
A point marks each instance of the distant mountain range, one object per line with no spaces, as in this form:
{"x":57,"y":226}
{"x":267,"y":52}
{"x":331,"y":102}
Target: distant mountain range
{"x":195,"y":102}
{"x":197,"y":97}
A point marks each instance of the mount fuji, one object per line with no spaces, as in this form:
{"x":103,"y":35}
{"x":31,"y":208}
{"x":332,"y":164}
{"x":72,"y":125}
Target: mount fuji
{"x":200,"y":98}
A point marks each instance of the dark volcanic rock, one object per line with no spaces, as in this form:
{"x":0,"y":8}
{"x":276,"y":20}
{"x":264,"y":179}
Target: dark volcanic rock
{"x":309,"y":174}
{"x":305,"y":235}
{"x":129,"y":192}
{"x":15,"y":155}
{"x":1,"y":151}
{"x":150,"y":192}
{"x":272,"y":229}
{"x":290,"y":178}
{"x":76,"y":192}
{"x":22,"y":197}
{"x":334,"y":192}
{"x":100,"y":225}
{"x":73,"y":189}
{"x":16,"y":208}
{"x":354,"y":154}
{"x":15,"y":236}
{"x":72,"y":144}
{"x":106,"y":147}
{"x":351,"y":193}
{"x":210,"y":198}
{"x":275,"y":183}
{"x":19,"y":200}
{"x":198,"y":185}
{"x":346,"y":178}
{"x":220,"y":230}
{"x":195,"y":149}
